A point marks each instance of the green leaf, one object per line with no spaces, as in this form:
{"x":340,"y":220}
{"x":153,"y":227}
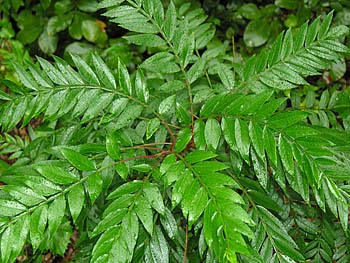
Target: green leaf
{"x":5,"y":244}
{"x":186,"y":51}
{"x":78,"y":160}
{"x":170,"y":21}
{"x":110,"y":220}
{"x":183,"y":138}
{"x":182,"y":114}
{"x":85,"y":70}
{"x":323,"y":30}
{"x":249,"y":11}
{"x":17,"y":113}
{"x":255,"y":34}
{"x":148,"y":40}
{"x":204,"y":34}
{"x":55,"y":213}
{"x":169,"y":224}
{"x":152,"y":127}
{"x":127,"y":188}
{"x":129,"y":18}
{"x":141,"y":86}
{"x":180,"y":187}
{"x":41,"y":185}
{"x":122,"y":170}
{"x":197,"y":206}
{"x":288,"y":118}
{"x":94,"y":186}
{"x":259,"y":168}
{"x":196,"y":70}
{"x":157,"y":251}
{"x":56,"y":174}
{"x":11,"y":208}
{"x":287,"y":45}
{"x":127,"y":116}
{"x":47,"y":42}
{"x":143,"y":167}
{"x":209,"y":166}
{"x":124,"y":78}
{"x":25,"y":77}
{"x":212,"y":133}
{"x":144,"y":213}
{"x":113,"y":146}
{"x":256,"y":136}
{"x":168,"y":162}
{"x":167,"y":105}
{"x":312,"y":32}
{"x":162,"y":62}
{"x":93,"y":32}
{"x":270,"y":145}
{"x":226,"y":76}
{"x":151,"y":192}
{"x":286,"y":152}
{"x":19,"y":236}
{"x":58,"y":23}
{"x":38,"y":220}
{"x":102,"y":102}
{"x":130,"y":230}
{"x":23,"y":195}
{"x":199,"y":134}
{"x":198,"y":156}
{"x":85,"y":100}
{"x":103,"y":72}
{"x":242,"y":138}
{"x":109,"y":3}
{"x":76,"y":200}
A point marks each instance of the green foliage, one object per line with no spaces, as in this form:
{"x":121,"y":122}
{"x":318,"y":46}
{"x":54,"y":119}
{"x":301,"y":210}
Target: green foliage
{"x":190,"y":157}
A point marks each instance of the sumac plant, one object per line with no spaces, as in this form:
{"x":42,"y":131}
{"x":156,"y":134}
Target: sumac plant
{"x":190,"y":158}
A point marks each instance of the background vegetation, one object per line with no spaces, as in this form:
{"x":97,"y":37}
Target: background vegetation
{"x":174,"y":131}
